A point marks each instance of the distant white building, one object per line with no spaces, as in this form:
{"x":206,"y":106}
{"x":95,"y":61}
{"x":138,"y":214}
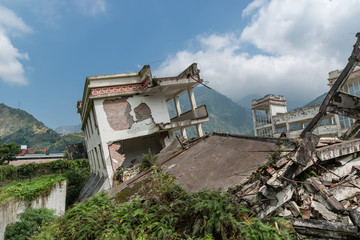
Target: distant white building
{"x":124,"y":115}
{"x":271,"y":118}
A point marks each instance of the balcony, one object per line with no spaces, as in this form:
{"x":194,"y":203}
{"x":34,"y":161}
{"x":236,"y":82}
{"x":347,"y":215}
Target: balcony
{"x":187,"y":119}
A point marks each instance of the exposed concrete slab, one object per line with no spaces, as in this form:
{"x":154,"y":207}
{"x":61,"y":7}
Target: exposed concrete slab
{"x":338,"y":150}
{"x":215,"y":162}
{"x":341,"y":192}
{"x":219,"y":162}
{"x":325,"y":229}
{"x":323,"y":211}
{"x":341,"y":171}
{"x":281,"y":198}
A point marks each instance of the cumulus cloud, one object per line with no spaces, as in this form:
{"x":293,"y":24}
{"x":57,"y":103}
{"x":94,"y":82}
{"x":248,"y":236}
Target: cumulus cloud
{"x":92,"y":7}
{"x":294,"y":46}
{"x":11,"y":69}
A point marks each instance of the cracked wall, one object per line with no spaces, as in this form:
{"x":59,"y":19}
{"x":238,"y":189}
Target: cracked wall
{"x":118,"y":113}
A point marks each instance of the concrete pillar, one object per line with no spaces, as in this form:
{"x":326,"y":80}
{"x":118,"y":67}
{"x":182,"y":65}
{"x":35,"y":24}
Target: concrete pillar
{"x":254,"y":121}
{"x":193,"y":107}
{"x":287,"y":127}
{"x":199,"y":130}
{"x":338,"y":126}
{"x":178,"y":111}
{"x":183,"y":133}
{"x":192,"y":98}
{"x":177,"y":106}
{"x":271,"y":121}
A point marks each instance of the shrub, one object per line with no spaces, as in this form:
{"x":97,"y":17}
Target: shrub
{"x":164,"y":211}
{"x":147,"y":161}
{"x":30,"y":222}
{"x":75,"y":171}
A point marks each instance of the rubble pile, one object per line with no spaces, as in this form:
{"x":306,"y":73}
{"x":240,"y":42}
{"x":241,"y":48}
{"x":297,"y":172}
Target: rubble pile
{"x":316,"y":186}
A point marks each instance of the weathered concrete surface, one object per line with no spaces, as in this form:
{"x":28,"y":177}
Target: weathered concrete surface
{"x":219,"y":162}
{"x":325,"y":229}
{"x":341,"y":171}
{"x":338,"y":150}
{"x":215,"y":162}
{"x":55,"y":200}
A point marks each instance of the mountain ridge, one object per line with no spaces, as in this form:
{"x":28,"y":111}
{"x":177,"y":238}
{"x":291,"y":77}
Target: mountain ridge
{"x":23,"y":128}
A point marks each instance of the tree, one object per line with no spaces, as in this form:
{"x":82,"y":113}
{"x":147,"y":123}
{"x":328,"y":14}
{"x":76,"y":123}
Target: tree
{"x":8,"y":152}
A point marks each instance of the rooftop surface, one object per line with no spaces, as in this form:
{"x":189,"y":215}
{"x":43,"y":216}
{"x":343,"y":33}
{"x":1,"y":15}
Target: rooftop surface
{"x":214,"y":162}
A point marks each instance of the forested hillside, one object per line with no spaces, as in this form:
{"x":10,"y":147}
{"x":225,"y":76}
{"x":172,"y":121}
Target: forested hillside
{"x":224,"y":114}
{"x":24,"y":129}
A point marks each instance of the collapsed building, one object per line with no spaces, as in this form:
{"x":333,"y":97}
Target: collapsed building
{"x":312,"y":182}
{"x":126,"y":115}
{"x":317,"y":185}
{"x":271,"y":118}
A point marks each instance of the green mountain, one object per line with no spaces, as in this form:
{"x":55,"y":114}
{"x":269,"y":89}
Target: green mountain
{"x":68,"y":129}
{"x":224,"y":114}
{"x":24,"y":129}
{"x":316,"y":101}
{"x":12,"y":120}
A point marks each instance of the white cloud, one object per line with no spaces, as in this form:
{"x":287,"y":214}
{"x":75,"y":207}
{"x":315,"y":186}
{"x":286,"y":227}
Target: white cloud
{"x":92,"y":7}
{"x":296,"y":44}
{"x":11,"y":69}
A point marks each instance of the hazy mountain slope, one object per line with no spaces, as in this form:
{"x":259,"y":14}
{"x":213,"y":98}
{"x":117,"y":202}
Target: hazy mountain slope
{"x":12,"y":120}
{"x":68,"y":129}
{"x":22,"y":128}
{"x":224,"y":114}
{"x":316,"y":101}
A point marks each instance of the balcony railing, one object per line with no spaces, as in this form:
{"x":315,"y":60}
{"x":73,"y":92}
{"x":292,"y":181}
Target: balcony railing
{"x":199,"y":115}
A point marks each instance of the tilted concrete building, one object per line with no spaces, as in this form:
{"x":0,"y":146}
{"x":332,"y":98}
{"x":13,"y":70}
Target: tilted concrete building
{"x":270,"y":116}
{"x":124,"y":115}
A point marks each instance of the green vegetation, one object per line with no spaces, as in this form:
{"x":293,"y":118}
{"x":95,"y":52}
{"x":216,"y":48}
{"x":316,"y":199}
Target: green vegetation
{"x":224,"y":114}
{"x":48,"y":139}
{"x":22,"y":128}
{"x":30,"y":223}
{"x":316,"y":101}
{"x":29,"y":189}
{"x":7,"y":152}
{"x":75,"y":171}
{"x":13,"y":120}
{"x":163,"y":210}
{"x":147,"y":161}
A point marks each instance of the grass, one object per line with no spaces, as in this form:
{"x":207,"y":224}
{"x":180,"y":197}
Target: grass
{"x":29,"y":189}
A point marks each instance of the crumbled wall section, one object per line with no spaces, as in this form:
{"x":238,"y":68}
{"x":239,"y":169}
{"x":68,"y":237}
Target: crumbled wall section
{"x":118,"y":113}
{"x":142,"y":112}
{"x":116,"y":157}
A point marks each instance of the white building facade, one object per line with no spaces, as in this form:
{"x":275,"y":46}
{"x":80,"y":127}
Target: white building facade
{"x":271,"y":119}
{"x":125,"y":115}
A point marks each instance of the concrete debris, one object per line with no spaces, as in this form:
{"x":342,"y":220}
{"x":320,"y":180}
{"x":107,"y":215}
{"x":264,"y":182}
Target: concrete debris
{"x":355,"y":217}
{"x":338,"y":150}
{"x":341,"y":193}
{"x":320,"y":194}
{"x":322,"y":211}
{"x":325,"y":229}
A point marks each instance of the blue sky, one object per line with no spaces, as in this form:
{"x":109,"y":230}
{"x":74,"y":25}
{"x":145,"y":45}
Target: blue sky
{"x":244,"y":49}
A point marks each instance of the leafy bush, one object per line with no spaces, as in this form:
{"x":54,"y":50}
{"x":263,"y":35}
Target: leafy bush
{"x":10,"y":173}
{"x":86,"y":220}
{"x":30,"y":223}
{"x":164,"y":211}
{"x":75,"y":171}
{"x":8,"y":152}
{"x":147,"y":161}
